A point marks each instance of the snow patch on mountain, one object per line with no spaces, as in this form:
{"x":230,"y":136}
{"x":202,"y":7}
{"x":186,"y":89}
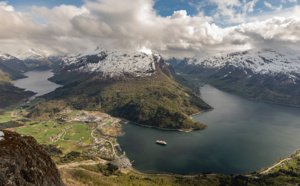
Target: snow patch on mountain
{"x":31,"y":54}
{"x":5,"y":56}
{"x":1,"y":135}
{"x":265,"y":61}
{"x":112,"y":63}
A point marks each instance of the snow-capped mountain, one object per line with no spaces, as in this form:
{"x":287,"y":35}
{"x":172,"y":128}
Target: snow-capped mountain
{"x":5,"y":56}
{"x":113,"y":63}
{"x":175,"y":61}
{"x":266,"y":61}
{"x":135,"y":85}
{"x":269,"y":75}
{"x":12,"y":62}
{"x":35,"y":59}
{"x":32,"y":54}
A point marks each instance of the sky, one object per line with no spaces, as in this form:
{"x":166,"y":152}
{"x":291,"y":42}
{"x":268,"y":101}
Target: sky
{"x":180,"y":28}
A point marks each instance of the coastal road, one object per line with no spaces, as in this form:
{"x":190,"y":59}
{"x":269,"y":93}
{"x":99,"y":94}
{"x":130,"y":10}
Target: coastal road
{"x":279,"y":163}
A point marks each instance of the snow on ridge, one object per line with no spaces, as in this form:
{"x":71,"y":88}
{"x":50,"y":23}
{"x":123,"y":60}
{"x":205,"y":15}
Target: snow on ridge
{"x":112,"y":63}
{"x":267,"y":61}
{"x":1,"y":135}
{"x":5,"y":56}
{"x":32,"y":54}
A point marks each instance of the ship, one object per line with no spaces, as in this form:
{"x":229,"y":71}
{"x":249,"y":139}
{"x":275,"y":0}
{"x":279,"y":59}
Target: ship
{"x":161,"y":142}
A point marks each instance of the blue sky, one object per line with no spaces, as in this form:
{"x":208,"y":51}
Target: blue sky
{"x":175,"y":27}
{"x":165,"y":7}
{"x":20,"y":4}
{"x":210,"y":8}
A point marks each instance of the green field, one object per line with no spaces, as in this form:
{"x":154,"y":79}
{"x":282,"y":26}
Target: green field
{"x":68,"y":136}
{"x":41,"y":132}
{"x":78,"y":132}
{"x":7,"y":117}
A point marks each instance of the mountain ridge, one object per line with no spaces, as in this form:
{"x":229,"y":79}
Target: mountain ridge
{"x":266,"y":75}
{"x":142,"y":89}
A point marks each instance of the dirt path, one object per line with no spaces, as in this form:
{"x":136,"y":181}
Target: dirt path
{"x":76,"y":164}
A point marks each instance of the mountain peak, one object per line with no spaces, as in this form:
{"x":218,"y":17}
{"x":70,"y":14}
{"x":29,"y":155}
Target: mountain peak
{"x":31,"y":54}
{"x":6,"y":56}
{"x":112,"y":63}
{"x":271,"y":61}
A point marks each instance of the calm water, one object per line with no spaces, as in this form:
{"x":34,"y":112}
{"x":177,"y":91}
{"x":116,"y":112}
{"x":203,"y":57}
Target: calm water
{"x":37,"y":81}
{"x":242,"y":136}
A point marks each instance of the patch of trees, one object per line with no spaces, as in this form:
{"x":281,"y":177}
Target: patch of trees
{"x":74,"y":156}
{"x":106,"y":170}
{"x":10,"y":124}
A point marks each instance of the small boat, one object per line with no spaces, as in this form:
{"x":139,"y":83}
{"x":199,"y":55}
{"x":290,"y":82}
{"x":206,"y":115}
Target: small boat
{"x":161,"y":142}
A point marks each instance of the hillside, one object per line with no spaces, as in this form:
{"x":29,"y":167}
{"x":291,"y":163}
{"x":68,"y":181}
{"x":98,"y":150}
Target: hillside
{"x":12,"y":66}
{"x":132,"y":85}
{"x":267,"y":75}
{"x":11,"y":69}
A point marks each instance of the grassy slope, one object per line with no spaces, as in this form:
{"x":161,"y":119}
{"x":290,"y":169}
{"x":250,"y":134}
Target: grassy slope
{"x":155,"y":101}
{"x":11,"y":72}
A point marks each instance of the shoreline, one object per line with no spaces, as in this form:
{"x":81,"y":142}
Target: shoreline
{"x":256,"y":173}
{"x":202,"y":112}
{"x":266,"y":170}
{"x":166,"y":129}
{"x":249,"y":98}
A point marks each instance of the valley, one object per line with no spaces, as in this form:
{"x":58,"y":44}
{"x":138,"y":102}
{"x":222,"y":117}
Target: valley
{"x":87,"y":143}
{"x":150,"y":92}
{"x":139,"y":87}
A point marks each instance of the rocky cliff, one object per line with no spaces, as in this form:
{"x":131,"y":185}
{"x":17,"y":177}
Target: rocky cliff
{"x":25,"y":162}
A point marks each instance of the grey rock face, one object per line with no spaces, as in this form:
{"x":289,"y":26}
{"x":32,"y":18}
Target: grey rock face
{"x":24,"y":162}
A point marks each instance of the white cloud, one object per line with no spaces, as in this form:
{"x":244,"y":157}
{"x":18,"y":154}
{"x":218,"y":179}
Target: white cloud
{"x":275,"y":29}
{"x":269,"y":5}
{"x":123,"y":24}
{"x":233,"y":11}
{"x":249,"y":6}
{"x":291,"y":1}
{"x":3,"y":5}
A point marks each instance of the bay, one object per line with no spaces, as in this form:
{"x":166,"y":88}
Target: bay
{"x":242,"y":136}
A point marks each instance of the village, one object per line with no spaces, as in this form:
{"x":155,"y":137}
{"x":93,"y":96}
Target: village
{"x":104,"y":143}
{"x":90,"y":132}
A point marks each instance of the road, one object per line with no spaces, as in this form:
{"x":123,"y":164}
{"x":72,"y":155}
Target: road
{"x":76,"y":164}
{"x":279,"y":163}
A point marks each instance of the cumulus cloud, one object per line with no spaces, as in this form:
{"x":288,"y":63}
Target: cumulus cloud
{"x":123,"y":24}
{"x":269,"y":5}
{"x":291,"y":1}
{"x":276,"y":32}
{"x":233,"y":11}
{"x":3,"y":5}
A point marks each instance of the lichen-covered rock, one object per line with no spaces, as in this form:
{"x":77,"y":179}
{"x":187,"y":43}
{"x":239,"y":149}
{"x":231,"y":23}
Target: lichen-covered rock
{"x":23,"y":161}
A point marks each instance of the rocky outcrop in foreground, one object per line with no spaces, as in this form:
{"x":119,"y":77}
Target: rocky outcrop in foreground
{"x":23,"y":161}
